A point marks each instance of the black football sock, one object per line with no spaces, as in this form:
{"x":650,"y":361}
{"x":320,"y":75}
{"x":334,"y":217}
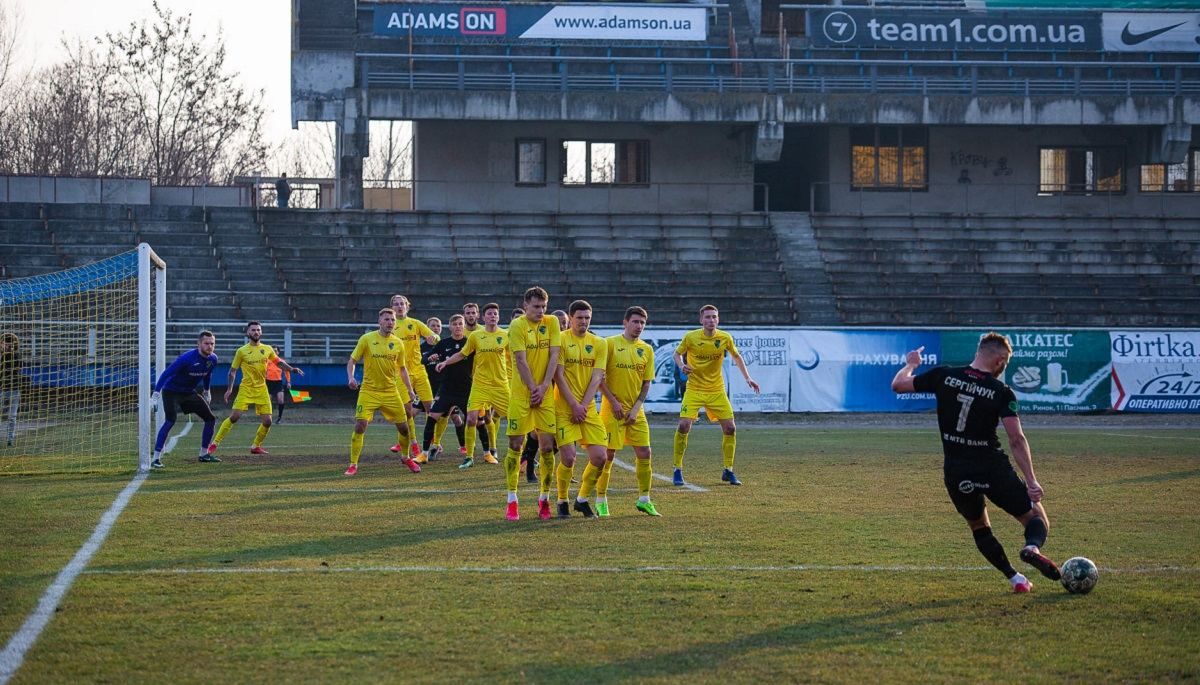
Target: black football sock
{"x":483,"y":439}
{"x":1035,"y":532}
{"x":430,"y":425}
{"x":993,"y":551}
{"x":461,"y":431}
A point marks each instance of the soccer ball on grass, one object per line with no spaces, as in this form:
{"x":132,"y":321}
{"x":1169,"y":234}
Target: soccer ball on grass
{"x":1079,"y":575}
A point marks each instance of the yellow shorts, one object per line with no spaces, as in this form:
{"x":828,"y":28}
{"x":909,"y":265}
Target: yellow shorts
{"x":390,"y":404}
{"x":590,"y":432}
{"x":420,"y":383}
{"x":636,"y":434}
{"x":482,"y":399}
{"x":259,"y":397}
{"x":522,"y":418}
{"x":716,"y":405}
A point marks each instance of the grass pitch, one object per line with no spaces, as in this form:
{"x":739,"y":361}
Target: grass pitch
{"x":840,"y":560}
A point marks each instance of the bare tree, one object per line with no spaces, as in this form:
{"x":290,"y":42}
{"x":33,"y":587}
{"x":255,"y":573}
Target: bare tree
{"x":390,"y":162}
{"x":155,"y":101}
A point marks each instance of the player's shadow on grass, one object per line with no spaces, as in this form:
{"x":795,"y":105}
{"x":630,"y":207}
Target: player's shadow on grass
{"x":317,"y":550}
{"x":1159,"y":477}
{"x":861,"y":629}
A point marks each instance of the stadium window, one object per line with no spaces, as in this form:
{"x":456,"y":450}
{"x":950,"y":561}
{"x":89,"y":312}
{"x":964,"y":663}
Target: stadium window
{"x":605,"y":162}
{"x":1079,"y":170}
{"x":531,"y":161}
{"x":889,"y":158}
{"x":1183,"y":177}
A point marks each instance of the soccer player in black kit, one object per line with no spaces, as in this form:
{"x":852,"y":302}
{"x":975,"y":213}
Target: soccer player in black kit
{"x":971,"y":400}
{"x":455,"y":381}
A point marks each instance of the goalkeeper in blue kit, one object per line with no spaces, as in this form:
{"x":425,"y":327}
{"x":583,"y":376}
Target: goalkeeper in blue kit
{"x":184,"y":386}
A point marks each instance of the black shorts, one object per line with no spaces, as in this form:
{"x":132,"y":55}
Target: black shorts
{"x":274,"y":388}
{"x":968,"y":484}
{"x":444,"y":402}
{"x":187,"y":403}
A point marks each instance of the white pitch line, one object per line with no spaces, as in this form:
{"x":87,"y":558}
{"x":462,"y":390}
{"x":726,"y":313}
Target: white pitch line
{"x":797,"y":568}
{"x":1151,"y":437}
{"x":345,"y":491}
{"x":175,"y":438}
{"x":14,"y":652}
{"x":657,"y":476}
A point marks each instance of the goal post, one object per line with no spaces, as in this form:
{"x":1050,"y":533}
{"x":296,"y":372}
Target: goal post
{"x":79,"y":350}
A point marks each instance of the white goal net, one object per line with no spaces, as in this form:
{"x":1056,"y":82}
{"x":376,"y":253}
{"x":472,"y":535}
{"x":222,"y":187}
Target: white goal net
{"x":76,"y":355}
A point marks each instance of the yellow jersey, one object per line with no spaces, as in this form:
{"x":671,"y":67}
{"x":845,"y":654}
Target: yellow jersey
{"x":629,"y":365}
{"x":382,"y":359}
{"x":489,"y":365}
{"x":706,"y":356}
{"x":252,"y":360}
{"x":579,"y":356}
{"x":535,"y":340}
{"x":412,"y":332}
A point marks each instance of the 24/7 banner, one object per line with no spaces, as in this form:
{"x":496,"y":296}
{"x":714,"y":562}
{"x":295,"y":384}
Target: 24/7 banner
{"x":1156,"y":371}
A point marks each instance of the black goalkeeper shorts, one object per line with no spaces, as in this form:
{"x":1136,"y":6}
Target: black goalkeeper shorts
{"x":187,"y":403}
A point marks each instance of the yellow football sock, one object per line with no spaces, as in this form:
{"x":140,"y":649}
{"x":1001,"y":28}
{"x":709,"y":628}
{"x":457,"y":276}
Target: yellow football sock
{"x":356,"y":442}
{"x":439,"y":429}
{"x":223,"y":431}
{"x":512,"y":469}
{"x":547,"y":465}
{"x":562,"y":477}
{"x":261,"y":435}
{"x":590,"y":475}
{"x":493,"y":429}
{"x":602,"y":481}
{"x":470,"y":439}
{"x":645,"y":475}
{"x":680,"y":447}
{"x":728,"y":447}
{"x":412,"y":431}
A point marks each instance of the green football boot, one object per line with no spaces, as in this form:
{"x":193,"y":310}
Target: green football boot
{"x":602,"y":509}
{"x":648,"y":508}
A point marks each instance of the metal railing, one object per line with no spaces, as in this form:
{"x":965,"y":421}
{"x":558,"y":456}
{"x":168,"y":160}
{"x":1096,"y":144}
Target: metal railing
{"x":690,"y":74}
{"x":996,"y":199}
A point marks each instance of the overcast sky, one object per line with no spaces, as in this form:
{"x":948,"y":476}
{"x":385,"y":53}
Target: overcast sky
{"x":256,"y":34}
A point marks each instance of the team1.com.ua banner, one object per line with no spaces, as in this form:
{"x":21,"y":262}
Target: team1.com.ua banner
{"x":954,"y":29}
{"x":1155,"y":371}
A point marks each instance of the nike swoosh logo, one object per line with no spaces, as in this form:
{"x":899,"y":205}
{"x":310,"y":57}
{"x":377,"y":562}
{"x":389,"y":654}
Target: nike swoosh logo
{"x":1130,"y":38}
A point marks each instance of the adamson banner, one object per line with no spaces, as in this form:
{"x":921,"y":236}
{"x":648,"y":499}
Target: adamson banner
{"x":1050,"y":371}
{"x":537,"y":21}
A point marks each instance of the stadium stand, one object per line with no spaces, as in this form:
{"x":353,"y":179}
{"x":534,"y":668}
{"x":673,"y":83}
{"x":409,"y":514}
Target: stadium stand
{"x":1062,"y":271}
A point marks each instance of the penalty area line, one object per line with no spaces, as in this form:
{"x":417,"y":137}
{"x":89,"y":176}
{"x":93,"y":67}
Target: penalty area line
{"x":19,"y":645}
{"x":659,"y":476}
{"x":500,"y":570}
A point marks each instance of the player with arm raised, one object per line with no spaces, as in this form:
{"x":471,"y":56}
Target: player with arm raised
{"x":626,"y":383}
{"x":251,"y":358}
{"x":534,"y":341}
{"x":583,"y":356}
{"x":971,"y":400}
{"x":485,"y":353}
{"x":701,"y":355}
{"x":412,"y":332}
{"x":185,"y":386}
{"x":385,"y":377}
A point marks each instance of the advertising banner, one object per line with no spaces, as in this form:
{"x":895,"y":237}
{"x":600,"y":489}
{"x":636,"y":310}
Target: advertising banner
{"x":1151,"y":31}
{"x":1050,"y":371}
{"x":834,"y":371}
{"x":954,"y":29}
{"x":1156,"y":371}
{"x":535,"y":21}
